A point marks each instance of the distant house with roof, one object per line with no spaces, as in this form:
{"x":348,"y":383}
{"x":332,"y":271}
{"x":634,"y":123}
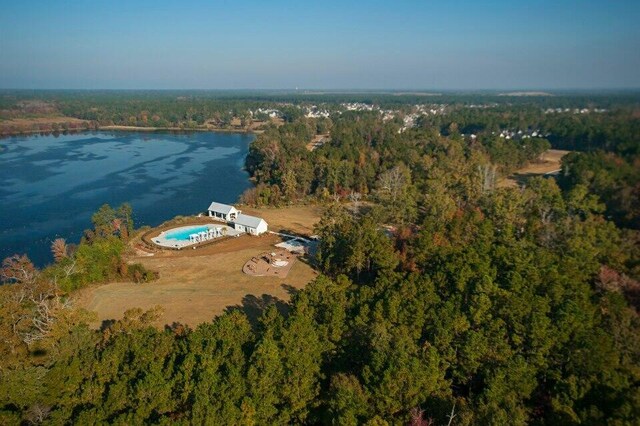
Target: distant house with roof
{"x":250,"y":224}
{"x":223,"y":212}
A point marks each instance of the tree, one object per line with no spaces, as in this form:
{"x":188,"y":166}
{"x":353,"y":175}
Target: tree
{"x":103,"y":220}
{"x":487,"y":177}
{"x":397,"y":194}
{"x":18,"y":269}
{"x":290,"y":185}
{"x":265,"y":378}
{"x":216,"y":367}
{"x":31,"y":305}
{"x":59,"y":249}
{"x":355,"y":199}
{"x":302,"y":359}
{"x":348,"y":401}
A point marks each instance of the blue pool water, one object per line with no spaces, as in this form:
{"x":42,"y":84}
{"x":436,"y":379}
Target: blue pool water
{"x":183,"y":234}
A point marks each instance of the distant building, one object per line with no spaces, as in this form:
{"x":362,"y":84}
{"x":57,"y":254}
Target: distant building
{"x":223,"y":211}
{"x":250,"y":224}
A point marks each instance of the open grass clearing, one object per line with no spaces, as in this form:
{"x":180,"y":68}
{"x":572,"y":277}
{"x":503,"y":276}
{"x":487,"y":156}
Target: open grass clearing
{"x":551,"y":161}
{"x":197,"y":285}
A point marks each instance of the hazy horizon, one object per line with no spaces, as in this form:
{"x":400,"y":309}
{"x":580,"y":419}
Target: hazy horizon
{"x":346,"y":90}
{"x":333,"y":46}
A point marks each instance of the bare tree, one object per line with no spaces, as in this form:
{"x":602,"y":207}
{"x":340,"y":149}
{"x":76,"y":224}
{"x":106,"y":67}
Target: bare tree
{"x":71,"y":268}
{"x":18,"y":269}
{"x":355,"y":199}
{"x":392,"y":182}
{"x":487,"y":177}
{"x":417,"y":418}
{"x":38,"y":413}
{"x":453,"y":414}
{"x":35,"y":302}
{"x":42,"y":305}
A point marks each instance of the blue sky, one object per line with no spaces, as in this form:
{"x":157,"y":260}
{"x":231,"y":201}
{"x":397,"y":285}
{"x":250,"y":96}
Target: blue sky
{"x":322,"y":45}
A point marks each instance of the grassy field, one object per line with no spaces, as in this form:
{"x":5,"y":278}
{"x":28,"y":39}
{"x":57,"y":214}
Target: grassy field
{"x":550,"y":162}
{"x":196,"y":285}
{"x":297,"y":219}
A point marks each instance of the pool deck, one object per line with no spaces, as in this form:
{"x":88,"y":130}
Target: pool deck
{"x":162,"y":241}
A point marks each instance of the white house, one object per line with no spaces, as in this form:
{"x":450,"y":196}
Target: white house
{"x":250,"y":224}
{"x":223,"y":211}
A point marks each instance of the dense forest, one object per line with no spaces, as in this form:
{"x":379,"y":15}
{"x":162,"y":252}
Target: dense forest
{"x":443,"y":298}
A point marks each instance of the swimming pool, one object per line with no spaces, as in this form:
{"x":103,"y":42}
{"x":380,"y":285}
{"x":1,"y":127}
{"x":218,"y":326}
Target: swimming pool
{"x":182,"y":234}
{"x":191,"y":235}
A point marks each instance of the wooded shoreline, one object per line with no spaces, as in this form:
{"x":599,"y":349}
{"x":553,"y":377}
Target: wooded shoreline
{"x":11,"y":133}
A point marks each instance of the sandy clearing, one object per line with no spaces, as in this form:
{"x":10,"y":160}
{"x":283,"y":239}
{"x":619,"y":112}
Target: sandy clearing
{"x":551,"y":161}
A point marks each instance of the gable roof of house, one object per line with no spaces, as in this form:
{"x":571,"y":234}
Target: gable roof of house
{"x":250,"y":221}
{"x":221,"y":208}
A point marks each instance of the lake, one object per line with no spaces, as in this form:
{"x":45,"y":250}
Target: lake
{"x":51,"y":185}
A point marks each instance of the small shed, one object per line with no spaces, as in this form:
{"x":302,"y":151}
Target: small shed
{"x":250,"y":224}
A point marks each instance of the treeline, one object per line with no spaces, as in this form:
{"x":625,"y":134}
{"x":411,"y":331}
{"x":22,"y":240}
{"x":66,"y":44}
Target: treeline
{"x":137,"y":108}
{"x":159,"y":111}
{"x":616,"y":130}
{"x":386,"y":99}
{"x":229,"y":109}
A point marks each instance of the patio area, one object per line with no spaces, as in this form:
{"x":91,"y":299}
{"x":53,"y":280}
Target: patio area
{"x":277,"y":263}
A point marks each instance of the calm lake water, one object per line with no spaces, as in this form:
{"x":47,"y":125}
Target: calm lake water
{"x":51,"y":185}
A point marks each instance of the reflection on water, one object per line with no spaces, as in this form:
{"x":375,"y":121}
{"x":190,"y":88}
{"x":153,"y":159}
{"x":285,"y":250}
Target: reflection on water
{"x":52,"y":184}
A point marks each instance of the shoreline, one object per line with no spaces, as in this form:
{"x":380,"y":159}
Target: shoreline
{"x":127,"y":129}
{"x":173,"y":129}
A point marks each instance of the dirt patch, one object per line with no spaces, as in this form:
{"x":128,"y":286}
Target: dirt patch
{"x":197,"y":285}
{"x":550,"y":162}
{"x":276,"y":263}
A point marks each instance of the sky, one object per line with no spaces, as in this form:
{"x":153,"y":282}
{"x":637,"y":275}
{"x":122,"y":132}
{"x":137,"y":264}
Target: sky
{"x":408,"y":45}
